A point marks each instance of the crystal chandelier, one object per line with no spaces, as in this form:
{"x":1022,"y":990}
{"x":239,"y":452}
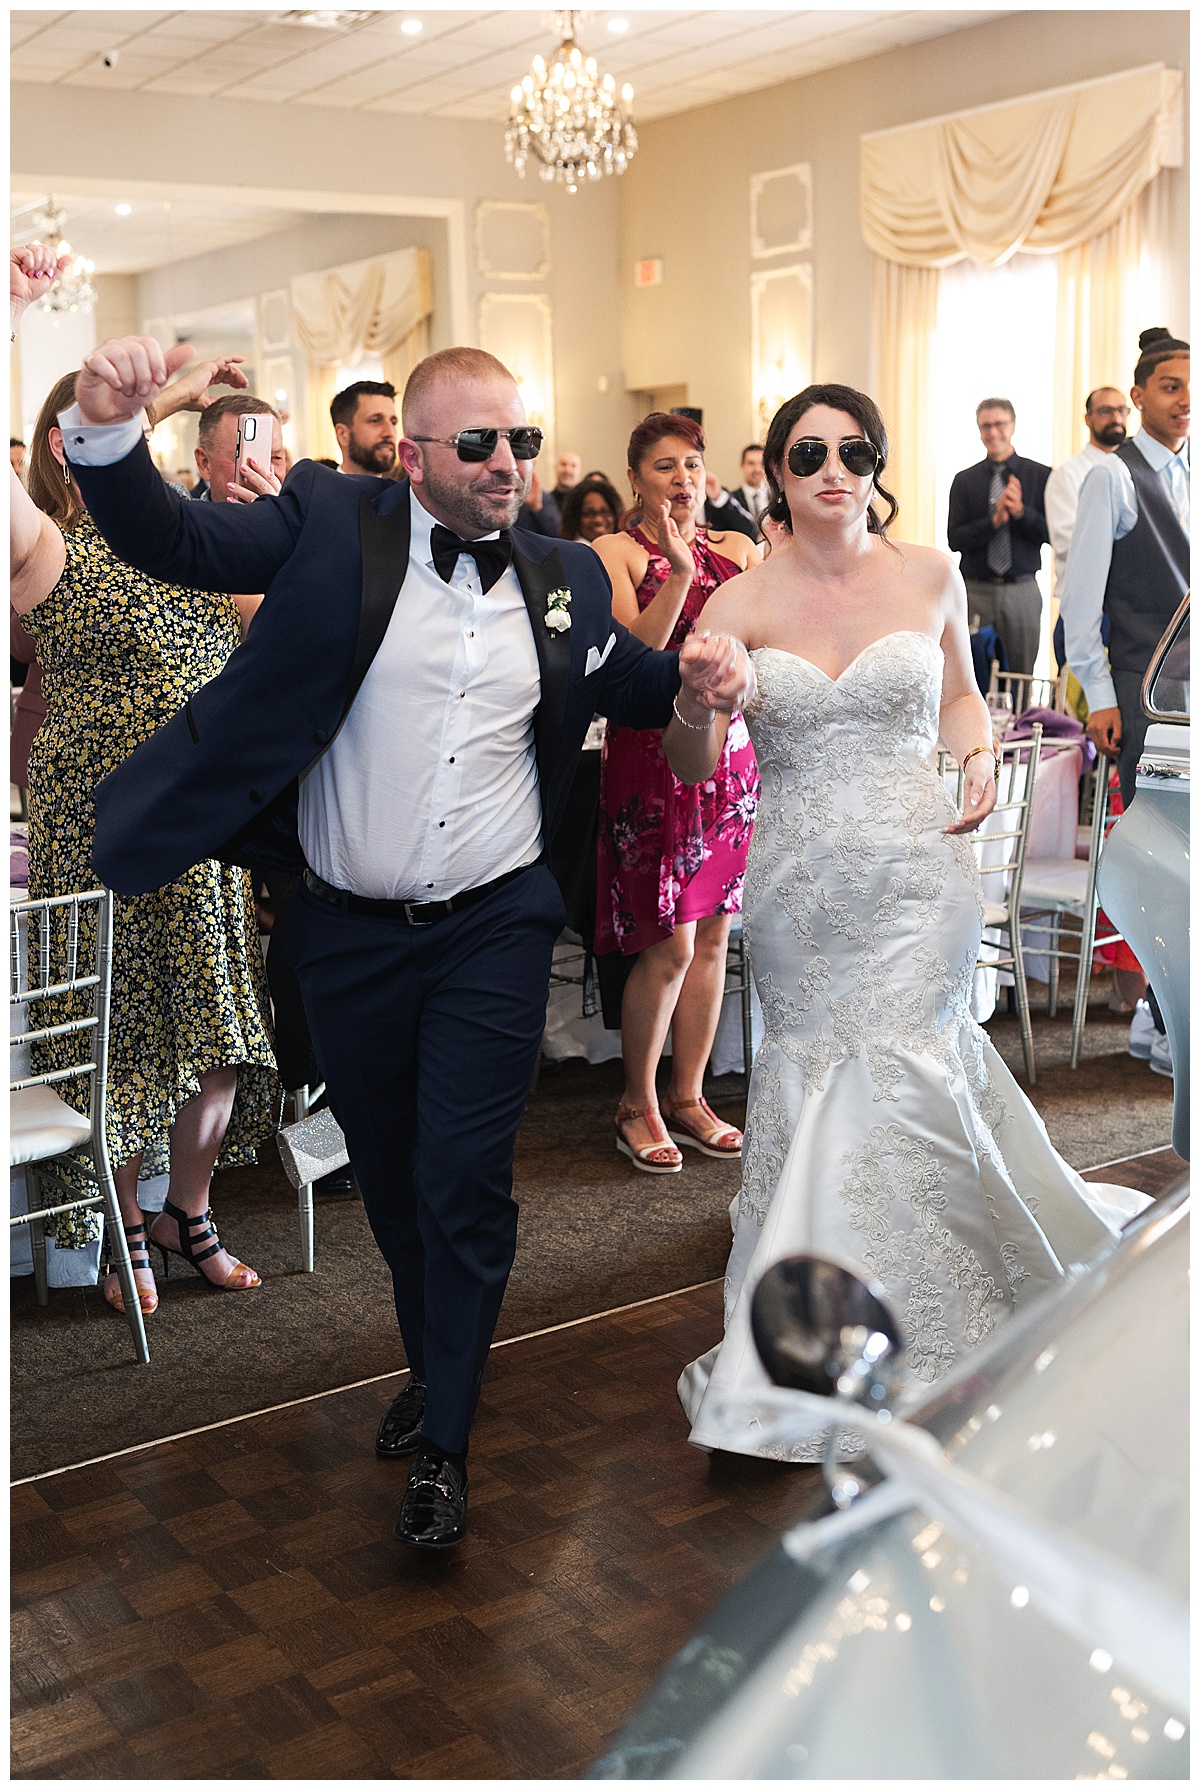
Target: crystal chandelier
{"x":569,"y":118}
{"x":73,"y":289}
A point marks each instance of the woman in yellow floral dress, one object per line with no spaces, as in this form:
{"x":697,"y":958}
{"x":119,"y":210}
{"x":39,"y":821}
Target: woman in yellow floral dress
{"x":192,"y":1083}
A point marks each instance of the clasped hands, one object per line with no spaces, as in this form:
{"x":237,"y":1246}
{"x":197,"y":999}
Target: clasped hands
{"x":1010,"y":502}
{"x":718,"y":676}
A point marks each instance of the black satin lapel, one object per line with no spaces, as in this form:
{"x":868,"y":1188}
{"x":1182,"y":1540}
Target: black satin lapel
{"x":537,"y":579}
{"x":383,"y":540}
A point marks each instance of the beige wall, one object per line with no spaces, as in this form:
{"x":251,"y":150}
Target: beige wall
{"x":176,"y":142}
{"x":685,"y":197}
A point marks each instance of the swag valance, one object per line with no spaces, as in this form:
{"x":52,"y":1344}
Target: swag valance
{"x":1040,"y":174}
{"x":362,"y":307}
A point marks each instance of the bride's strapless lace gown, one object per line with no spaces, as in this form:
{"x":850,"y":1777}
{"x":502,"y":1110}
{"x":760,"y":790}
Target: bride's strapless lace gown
{"x":883,"y":1128}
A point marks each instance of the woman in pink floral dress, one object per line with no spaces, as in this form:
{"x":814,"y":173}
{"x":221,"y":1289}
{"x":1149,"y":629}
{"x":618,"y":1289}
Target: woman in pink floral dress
{"x":671,"y":857}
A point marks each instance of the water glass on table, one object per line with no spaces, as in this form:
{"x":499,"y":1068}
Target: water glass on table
{"x":1000,"y":707}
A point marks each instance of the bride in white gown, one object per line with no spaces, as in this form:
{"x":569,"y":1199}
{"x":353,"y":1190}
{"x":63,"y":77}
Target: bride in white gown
{"x":882,"y":1128}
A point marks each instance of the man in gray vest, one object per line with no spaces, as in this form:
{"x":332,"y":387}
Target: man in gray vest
{"x":1130,"y":561}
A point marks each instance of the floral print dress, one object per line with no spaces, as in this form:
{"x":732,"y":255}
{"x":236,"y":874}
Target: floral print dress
{"x":670,"y":852}
{"x":120,"y":654}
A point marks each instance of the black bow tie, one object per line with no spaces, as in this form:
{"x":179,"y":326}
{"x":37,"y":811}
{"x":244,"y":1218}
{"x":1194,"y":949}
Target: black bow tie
{"x":492,"y":557}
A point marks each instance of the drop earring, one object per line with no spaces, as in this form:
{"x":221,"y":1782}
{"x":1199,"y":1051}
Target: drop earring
{"x":66,"y":472}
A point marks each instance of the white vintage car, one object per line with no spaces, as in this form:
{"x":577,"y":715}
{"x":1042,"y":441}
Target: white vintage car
{"x":1004,"y":1595}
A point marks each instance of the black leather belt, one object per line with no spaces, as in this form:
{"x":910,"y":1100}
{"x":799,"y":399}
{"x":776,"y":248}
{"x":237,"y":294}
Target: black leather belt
{"x":414,"y":913}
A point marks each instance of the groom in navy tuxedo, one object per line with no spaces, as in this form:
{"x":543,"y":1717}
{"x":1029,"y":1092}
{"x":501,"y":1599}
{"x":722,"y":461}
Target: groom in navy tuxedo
{"x":401,"y":726}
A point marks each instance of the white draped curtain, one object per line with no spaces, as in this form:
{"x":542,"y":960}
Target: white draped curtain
{"x":1063,"y":173}
{"x":378,"y":307}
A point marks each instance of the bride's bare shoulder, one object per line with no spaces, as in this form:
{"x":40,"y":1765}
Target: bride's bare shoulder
{"x":926,"y":563}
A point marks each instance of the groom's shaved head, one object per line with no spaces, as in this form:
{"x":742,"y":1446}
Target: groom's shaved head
{"x":432,"y":377}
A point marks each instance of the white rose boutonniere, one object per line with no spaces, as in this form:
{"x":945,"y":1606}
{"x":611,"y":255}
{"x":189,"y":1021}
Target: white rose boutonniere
{"x":558,"y":611}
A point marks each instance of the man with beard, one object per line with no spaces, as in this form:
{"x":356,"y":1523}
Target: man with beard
{"x":366,"y":426}
{"x":1106,"y":413}
{"x":428,"y":673}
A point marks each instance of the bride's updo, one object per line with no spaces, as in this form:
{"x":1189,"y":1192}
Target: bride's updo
{"x":838,"y":397}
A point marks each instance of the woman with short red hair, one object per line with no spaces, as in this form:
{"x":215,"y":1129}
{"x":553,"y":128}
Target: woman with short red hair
{"x":671,"y":857}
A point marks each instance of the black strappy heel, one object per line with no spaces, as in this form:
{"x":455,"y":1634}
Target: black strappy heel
{"x":139,"y":1261}
{"x":197,"y":1248}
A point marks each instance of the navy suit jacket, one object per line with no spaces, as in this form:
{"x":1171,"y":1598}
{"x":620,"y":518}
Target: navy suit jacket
{"x":969,"y":527}
{"x":330,"y":552}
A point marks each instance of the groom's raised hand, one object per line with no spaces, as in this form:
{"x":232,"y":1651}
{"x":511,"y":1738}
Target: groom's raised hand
{"x":717,"y":672}
{"x":124,"y":375}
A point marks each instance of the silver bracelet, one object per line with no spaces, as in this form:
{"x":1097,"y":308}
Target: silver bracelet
{"x":692,"y":726}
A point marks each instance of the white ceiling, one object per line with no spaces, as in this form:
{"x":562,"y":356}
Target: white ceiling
{"x":153,"y":234}
{"x":461,"y":65}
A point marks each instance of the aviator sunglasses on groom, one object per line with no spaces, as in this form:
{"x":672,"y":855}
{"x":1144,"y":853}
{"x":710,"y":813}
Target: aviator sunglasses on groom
{"x":480,"y":444}
{"x":808,"y":455}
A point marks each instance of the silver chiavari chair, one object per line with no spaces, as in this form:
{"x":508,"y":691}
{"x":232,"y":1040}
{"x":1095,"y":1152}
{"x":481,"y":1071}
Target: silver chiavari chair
{"x":1027,"y":691}
{"x":1055,"y":889}
{"x":60,"y":969}
{"x":1000,"y":846}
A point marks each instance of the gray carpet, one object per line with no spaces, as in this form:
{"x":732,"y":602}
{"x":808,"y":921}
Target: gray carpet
{"x":593,"y":1234}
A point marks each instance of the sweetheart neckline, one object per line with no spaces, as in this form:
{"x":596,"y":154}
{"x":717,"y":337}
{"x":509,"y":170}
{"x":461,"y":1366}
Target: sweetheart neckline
{"x":894,"y":634}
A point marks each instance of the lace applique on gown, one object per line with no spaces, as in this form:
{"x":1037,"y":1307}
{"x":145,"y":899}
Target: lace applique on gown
{"x":883,"y":1128}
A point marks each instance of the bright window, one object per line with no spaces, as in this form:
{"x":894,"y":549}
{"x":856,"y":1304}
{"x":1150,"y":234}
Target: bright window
{"x":995,"y":339}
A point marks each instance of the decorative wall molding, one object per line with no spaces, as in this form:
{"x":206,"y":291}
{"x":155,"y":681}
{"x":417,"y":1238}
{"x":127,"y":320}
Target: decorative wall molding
{"x":781,"y":211}
{"x":512,"y":240}
{"x":781,"y":323}
{"x":279,"y":384}
{"x":275,"y":321}
{"x":517,"y":327}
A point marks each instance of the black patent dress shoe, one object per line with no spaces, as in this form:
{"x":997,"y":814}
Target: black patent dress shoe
{"x":338,"y":1185}
{"x":400,"y":1432}
{"x":434,"y":1512}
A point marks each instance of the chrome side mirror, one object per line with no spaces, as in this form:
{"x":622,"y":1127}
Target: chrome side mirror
{"x":820,"y":1329}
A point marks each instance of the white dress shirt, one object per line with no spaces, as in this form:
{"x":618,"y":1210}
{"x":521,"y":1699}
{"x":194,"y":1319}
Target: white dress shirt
{"x":1060,"y":503}
{"x":1107,"y":511}
{"x":430,"y":787}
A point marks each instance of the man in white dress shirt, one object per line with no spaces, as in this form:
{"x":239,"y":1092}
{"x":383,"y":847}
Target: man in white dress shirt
{"x":1130,"y":561}
{"x":429,"y":676}
{"x":1106,"y":413}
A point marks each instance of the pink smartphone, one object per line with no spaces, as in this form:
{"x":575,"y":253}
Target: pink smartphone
{"x":254,"y":442}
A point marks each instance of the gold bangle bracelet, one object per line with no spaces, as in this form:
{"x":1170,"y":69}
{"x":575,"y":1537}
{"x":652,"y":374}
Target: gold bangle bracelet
{"x":977,"y":749}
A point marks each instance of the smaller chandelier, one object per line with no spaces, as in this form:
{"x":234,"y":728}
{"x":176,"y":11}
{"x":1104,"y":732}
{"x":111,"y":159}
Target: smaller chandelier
{"x":568,"y":118}
{"x":73,"y":289}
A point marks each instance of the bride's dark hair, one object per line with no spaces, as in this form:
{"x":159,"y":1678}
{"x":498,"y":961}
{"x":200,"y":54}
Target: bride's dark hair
{"x":838,"y":397}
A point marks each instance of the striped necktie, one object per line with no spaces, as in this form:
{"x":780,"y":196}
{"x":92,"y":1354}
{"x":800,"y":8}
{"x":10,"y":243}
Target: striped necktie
{"x":999,"y":552}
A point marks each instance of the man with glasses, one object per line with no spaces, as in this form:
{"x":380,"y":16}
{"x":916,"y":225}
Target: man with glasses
{"x":428,"y":672}
{"x":1106,"y":414}
{"x":997,"y":525}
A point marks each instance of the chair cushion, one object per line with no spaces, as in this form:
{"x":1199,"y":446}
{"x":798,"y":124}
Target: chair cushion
{"x":42,"y":1125}
{"x":1056,"y":883}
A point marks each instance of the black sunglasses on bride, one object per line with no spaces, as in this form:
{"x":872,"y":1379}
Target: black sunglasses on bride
{"x":808,"y":455}
{"x":480,"y":444}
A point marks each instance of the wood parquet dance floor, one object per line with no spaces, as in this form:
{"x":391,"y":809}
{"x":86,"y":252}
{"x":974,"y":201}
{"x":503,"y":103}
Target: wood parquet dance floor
{"x":232,"y":1605}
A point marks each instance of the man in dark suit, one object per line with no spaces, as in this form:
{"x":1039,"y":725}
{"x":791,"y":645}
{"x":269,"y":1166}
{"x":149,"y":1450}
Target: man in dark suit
{"x":428,"y":674}
{"x":743,"y":507}
{"x":997,"y":524}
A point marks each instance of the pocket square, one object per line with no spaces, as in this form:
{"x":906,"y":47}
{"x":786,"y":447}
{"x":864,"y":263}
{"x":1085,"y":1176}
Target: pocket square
{"x":596,"y":658}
